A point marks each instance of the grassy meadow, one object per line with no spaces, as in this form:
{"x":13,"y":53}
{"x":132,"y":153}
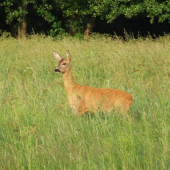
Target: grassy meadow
{"x":38,"y":130}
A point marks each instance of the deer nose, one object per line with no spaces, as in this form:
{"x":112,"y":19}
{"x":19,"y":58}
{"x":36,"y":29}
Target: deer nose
{"x":57,"y":70}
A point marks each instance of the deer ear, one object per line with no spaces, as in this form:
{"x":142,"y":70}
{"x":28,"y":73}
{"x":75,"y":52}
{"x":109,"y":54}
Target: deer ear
{"x":57,"y":56}
{"x":68,"y":55}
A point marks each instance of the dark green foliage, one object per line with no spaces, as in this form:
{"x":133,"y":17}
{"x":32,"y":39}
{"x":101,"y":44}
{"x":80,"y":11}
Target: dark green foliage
{"x":55,"y":17}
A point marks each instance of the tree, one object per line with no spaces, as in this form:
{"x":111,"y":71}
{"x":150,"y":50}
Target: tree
{"x":110,"y":10}
{"x":17,"y":10}
{"x":79,"y":15}
{"x":159,"y":9}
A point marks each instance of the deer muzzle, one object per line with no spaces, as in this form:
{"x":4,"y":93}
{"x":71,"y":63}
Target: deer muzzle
{"x":57,"y":70}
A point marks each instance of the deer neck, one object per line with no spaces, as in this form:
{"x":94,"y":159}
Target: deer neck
{"x":69,"y":82}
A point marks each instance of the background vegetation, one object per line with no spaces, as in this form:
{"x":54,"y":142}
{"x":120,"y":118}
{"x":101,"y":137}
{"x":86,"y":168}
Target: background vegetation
{"x":39,"y":131}
{"x":73,"y":17}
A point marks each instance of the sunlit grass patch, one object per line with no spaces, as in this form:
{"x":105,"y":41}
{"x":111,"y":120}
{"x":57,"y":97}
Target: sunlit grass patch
{"x":39,"y":131}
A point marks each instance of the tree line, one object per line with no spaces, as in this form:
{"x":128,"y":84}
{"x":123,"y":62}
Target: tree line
{"x":53,"y":17}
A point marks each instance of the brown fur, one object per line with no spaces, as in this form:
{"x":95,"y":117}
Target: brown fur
{"x":88,"y":99}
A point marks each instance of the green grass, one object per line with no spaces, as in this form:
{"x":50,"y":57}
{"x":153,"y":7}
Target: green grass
{"x":39,"y":131}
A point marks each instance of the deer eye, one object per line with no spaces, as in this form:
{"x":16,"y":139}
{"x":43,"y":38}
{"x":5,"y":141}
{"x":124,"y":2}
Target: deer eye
{"x":64,"y":63}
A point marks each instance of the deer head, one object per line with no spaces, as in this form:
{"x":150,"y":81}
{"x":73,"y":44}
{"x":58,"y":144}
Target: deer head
{"x":63,"y":64}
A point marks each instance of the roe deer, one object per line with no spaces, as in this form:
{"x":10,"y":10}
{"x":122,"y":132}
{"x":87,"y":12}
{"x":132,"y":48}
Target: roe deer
{"x":88,"y":99}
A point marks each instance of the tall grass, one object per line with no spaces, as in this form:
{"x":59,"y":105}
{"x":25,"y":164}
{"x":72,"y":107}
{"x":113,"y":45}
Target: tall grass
{"x":39,"y":131}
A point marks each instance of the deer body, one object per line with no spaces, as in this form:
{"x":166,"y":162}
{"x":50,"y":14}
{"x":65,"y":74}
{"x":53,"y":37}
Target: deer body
{"x":88,"y":99}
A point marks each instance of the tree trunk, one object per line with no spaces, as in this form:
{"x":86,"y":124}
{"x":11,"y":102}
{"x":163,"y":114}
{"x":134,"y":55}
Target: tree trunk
{"x":69,"y":27}
{"x":89,"y":27}
{"x":22,"y":28}
{"x":13,"y":30}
